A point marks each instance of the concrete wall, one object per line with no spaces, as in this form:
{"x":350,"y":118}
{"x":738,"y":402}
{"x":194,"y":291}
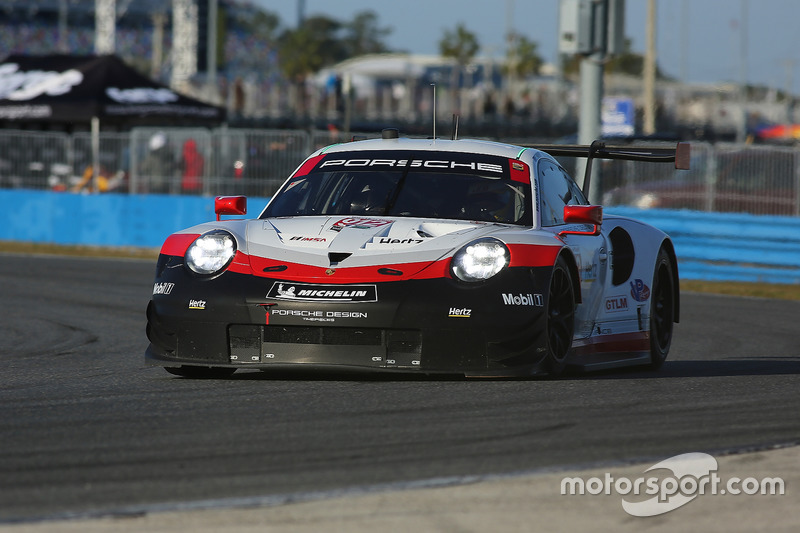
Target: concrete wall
{"x":103,"y":220}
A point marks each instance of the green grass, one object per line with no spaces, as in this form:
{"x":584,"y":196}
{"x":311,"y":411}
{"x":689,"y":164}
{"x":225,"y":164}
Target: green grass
{"x":80,"y":251}
{"x":735,"y":288}
{"x":758,"y":290}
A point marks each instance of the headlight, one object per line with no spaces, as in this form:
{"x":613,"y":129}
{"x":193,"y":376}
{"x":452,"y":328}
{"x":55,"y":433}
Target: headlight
{"x":211,"y":252}
{"x":480,"y":260}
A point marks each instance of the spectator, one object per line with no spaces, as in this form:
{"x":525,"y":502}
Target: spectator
{"x":157,"y":166}
{"x":193,"y":164}
{"x":105,"y":181}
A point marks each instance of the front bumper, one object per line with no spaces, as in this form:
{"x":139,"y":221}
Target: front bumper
{"x":431,"y":326}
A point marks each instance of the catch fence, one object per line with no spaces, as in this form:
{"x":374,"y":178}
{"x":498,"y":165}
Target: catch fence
{"x":755,"y":179}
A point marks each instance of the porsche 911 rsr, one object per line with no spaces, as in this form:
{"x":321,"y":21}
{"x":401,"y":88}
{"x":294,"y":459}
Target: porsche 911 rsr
{"x":427,"y":256}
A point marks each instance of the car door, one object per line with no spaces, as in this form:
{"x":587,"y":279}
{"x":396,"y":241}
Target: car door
{"x":556,"y":190}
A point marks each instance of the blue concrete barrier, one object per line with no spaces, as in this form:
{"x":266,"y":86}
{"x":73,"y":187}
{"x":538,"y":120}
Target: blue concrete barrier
{"x":103,"y":219}
{"x":728,"y":246}
{"x":710,"y":246}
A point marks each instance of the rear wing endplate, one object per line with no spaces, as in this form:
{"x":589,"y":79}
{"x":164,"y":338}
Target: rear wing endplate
{"x":680,"y":155}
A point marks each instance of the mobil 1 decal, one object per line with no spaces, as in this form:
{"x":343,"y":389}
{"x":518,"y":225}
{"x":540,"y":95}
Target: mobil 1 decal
{"x":307,"y":292}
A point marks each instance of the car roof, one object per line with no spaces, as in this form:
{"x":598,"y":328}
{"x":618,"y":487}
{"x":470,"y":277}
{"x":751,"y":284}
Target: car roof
{"x":473,"y":146}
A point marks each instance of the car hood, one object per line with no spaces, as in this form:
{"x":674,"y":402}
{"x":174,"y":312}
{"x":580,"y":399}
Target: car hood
{"x":360,"y":241}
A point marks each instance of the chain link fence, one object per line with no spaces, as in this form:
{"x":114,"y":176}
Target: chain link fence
{"x":762,"y":180}
{"x":755,"y":179}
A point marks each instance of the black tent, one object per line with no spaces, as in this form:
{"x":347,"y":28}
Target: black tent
{"x":62,"y":88}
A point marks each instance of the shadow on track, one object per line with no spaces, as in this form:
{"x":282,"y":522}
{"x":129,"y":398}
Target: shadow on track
{"x":740,"y":366}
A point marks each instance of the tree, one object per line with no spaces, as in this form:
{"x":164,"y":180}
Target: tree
{"x":460,"y":45}
{"x":261,"y":24}
{"x":627,"y":62}
{"x":363,"y":36}
{"x":309,"y":48}
{"x":524,"y":59}
{"x":321,"y":42}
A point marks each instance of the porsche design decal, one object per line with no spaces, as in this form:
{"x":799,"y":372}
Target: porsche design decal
{"x":319,"y":316}
{"x":323,"y":293}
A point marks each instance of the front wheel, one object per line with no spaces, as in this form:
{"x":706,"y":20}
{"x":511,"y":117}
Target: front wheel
{"x":560,"y":317}
{"x":662,"y":310}
{"x":200,"y":372}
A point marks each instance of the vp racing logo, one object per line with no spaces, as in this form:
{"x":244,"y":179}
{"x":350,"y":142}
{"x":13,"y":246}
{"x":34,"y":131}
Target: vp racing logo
{"x":305,"y":292}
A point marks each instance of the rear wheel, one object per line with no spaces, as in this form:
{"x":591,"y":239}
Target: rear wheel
{"x":662,"y":310}
{"x":202,"y":372}
{"x":560,"y":317}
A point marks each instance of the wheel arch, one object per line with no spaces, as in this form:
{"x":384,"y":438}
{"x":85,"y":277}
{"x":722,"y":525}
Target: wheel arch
{"x":572,"y":266}
{"x":669,"y":248}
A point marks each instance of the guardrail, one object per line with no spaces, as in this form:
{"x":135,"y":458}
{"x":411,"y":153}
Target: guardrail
{"x":710,"y":246}
{"x":728,"y":246}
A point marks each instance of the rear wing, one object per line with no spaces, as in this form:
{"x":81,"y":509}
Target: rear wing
{"x":680,"y":155}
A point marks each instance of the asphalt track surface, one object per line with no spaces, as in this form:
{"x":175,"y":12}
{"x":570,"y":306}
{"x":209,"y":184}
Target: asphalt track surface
{"x":86,"y":429}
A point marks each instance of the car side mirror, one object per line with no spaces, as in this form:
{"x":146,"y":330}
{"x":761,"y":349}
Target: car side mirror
{"x":230,"y":205}
{"x":583,"y":214}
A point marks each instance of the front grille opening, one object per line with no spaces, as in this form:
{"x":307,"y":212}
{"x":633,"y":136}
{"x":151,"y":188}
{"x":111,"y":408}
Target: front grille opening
{"x":352,"y":336}
{"x":403,"y":342}
{"x":318,"y":335}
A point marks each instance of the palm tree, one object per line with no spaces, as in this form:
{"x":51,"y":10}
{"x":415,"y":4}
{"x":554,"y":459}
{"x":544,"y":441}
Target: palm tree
{"x":460,"y":45}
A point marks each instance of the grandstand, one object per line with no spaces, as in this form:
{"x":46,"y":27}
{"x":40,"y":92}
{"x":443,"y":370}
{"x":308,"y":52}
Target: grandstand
{"x":34,"y":27}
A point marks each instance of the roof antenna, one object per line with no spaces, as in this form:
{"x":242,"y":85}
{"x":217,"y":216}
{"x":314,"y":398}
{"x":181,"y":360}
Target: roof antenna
{"x":455,"y":127}
{"x":434,"y":110}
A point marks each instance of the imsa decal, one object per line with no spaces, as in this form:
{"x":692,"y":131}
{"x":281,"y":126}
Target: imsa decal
{"x":306,"y":292}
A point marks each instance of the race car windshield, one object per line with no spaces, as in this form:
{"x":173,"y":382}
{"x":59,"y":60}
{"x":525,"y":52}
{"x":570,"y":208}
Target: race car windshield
{"x":448,"y":186}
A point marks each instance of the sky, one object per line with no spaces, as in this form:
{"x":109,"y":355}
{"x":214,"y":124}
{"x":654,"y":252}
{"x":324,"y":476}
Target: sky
{"x":703,"y":41}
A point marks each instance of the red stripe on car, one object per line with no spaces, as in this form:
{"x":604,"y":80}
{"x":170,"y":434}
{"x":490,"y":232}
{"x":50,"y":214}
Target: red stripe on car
{"x":178,"y":243}
{"x":532,"y":255}
{"x":366,"y":274}
{"x":308,"y":166}
{"x":240,"y":263}
{"x":519,"y":171}
{"x":621,"y":342}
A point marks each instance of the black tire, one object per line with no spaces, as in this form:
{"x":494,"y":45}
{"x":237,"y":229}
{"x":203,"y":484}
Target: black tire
{"x":662,"y":310}
{"x":560,"y":318}
{"x":200,"y":372}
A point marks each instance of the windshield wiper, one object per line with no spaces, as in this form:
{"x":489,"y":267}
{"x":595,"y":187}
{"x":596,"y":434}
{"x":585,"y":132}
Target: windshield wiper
{"x":396,"y":193}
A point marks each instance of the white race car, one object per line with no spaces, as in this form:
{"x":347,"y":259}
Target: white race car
{"x":428,"y":256}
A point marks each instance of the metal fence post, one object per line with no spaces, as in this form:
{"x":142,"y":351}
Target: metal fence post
{"x":710,"y":178}
{"x":796,"y":161}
